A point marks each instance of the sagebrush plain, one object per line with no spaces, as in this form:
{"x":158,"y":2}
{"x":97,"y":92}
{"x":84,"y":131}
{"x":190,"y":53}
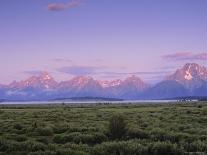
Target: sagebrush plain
{"x":159,"y":129}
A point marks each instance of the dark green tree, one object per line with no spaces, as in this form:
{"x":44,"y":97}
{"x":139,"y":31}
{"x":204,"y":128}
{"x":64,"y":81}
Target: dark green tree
{"x":117,"y":126}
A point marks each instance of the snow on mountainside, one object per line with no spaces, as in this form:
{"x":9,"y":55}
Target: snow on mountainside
{"x":134,"y":82}
{"x":130,"y":88}
{"x":87,"y":86}
{"x":79,"y":83}
{"x":190,"y":80}
{"x":80,"y":86}
{"x":43,"y":81}
{"x":191,"y":75}
{"x":106,"y":84}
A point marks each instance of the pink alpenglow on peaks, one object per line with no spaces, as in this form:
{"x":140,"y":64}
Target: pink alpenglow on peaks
{"x":104,"y":39}
{"x":42,"y":81}
{"x":112,"y":83}
{"x":191,"y":75}
{"x":190,"y":80}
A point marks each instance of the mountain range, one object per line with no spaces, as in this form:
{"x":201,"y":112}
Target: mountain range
{"x":190,"y":80}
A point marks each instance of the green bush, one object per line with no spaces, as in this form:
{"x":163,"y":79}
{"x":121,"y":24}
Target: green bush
{"x":44,"y":131}
{"x":77,"y":147}
{"x":4,"y":145}
{"x":196,"y":146}
{"x":137,"y":133}
{"x":171,"y":129}
{"x":77,"y":137}
{"x":43,"y":140}
{"x":20,"y":138}
{"x":43,"y":153}
{"x":60,"y":128}
{"x":94,"y":138}
{"x":18,"y":126}
{"x":165,"y":148}
{"x":61,"y":139}
{"x":120,"y":148}
{"x":158,"y":134}
{"x":117,"y":126}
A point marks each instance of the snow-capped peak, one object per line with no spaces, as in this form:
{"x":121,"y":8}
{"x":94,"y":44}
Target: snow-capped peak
{"x":81,"y":80}
{"x":190,"y":71}
{"x":135,"y":81}
{"x":43,"y":80}
{"x":193,"y":70}
{"x":191,"y":75}
{"x":106,"y":84}
{"x":188,"y":76}
{"x":45,"y":76}
{"x":133,"y":78}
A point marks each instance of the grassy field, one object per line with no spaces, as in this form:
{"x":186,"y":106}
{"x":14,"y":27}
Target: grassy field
{"x":152,"y":129}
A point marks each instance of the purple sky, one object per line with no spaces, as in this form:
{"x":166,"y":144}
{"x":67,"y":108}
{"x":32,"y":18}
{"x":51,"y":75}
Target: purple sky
{"x":104,"y":39}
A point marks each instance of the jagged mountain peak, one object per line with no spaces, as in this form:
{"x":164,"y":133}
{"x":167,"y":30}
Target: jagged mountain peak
{"x":190,"y":71}
{"x":191,"y":65}
{"x":82,"y":77}
{"x":191,"y":75}
{"x":45,"y":75}
{"x":133,"y":78}
{"x":42,"y":80}
{"x":81,"y":86}
{"x":194,"y":70}
{"x":107,"y":83}
{"x":134,"y":81}
{"x":188,"y":80}
{"x":81,"y":80}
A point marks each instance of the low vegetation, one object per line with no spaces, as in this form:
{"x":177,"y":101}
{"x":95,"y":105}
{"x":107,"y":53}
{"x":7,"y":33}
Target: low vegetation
{"x":152,"y":129}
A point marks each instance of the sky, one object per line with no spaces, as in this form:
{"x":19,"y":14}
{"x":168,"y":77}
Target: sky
{"x":105,"y":39}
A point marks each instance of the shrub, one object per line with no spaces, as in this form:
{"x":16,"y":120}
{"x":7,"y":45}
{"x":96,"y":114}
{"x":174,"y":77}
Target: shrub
{"x":1,"y":112}
{"x":77,"y":138}
{"x":99,"y":138}
{"x":77,"y":147}
{"x":158,"y":134}
{"x":163,"y":148}
{"x":196,"y":146}
{"x":63,"y":138}
{"x":43,"y":140}
{"x":60,"y":128}
{"x":120,"y":148}
{"x":199,"y":106}
{"x":137,"y":133}
{"x":32,"y":146}
{"x":20,"y":138}
{"x":94,"y":138}
{"x":42,"y":153}
{"x":4,"y":145}
{"x":45,"y":131}
{"x":59,"y":139}
{"x":117,"y":126}
{"x":18,"y":126}
{"x":204,"y":112}
{"x":70,"y":152}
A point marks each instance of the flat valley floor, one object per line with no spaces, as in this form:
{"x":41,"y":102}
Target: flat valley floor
{"x":149,"y":129}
